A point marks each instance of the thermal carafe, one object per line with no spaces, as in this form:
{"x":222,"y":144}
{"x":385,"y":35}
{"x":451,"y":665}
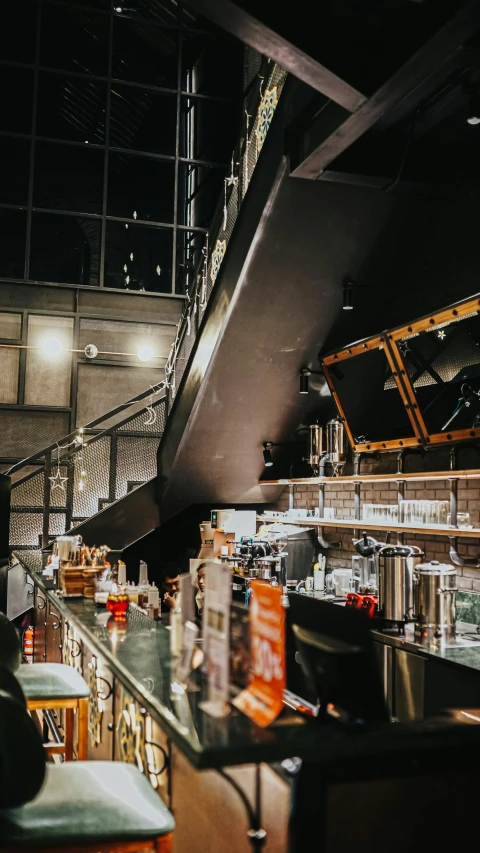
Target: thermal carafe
{"x":396,"y":564}
{"x":434,"y":588}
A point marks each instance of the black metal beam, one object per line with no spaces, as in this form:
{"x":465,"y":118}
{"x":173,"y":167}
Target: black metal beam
{"x":259,"y":36}
{"x":321,"y":145}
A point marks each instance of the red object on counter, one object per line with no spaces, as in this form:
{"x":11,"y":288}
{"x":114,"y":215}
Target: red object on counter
{"x":118,"y":603}
{"x":369,"y":603}
{"x":28,"y":644}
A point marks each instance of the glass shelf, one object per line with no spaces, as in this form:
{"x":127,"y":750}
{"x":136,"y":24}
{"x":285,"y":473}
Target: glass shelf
{"x":463,"y":532}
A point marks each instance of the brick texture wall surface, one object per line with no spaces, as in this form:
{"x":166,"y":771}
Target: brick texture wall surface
{"x":341,"y":497}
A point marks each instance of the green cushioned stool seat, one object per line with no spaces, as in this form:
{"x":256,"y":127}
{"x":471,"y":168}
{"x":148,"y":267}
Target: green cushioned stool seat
{"x":84,"y":802}
{"x":51,"y":681}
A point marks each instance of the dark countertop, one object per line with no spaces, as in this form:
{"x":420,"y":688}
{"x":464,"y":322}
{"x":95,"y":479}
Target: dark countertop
{"x":140,"y":658}
{"x":464,"y":651}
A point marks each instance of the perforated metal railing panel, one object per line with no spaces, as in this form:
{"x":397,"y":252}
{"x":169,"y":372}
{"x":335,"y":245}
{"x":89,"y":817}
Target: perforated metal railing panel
{"x":136,"y":462}
{"x":95,"y":462}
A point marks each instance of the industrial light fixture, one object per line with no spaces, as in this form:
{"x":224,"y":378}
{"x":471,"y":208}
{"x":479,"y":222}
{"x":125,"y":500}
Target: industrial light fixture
{"x":305,"y":372}
{"x":267,"y":455}
{"x":51,"y":346}
{"x":473,"y":115}
{"x":145,"y":353}
{"x":347,"y":296}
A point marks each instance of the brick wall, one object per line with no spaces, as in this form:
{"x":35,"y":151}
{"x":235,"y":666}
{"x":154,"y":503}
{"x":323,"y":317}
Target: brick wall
{"x":341,"y":496}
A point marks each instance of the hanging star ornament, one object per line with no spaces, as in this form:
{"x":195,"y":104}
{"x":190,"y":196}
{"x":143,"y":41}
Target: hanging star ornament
{"x":57,"y":481}
{"x":442,"y":335}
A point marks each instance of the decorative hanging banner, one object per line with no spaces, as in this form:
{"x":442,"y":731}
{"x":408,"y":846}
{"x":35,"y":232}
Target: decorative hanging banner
{"x":262,"y":700}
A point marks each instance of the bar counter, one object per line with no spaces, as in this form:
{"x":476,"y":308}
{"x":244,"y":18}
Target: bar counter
{"x":140,"y":658}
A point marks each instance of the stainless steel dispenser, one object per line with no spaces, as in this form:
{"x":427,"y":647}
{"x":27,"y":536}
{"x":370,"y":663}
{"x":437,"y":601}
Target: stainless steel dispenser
{"x":396,"y":564}
{"x":335,"y":435}
{"x":434,"y":588}
{"x":315,"y":446}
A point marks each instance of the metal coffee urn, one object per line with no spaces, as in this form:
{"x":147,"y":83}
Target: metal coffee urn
{"x":335,"y":435}
{"x":396,"y":564}
{"x":434,"y":588}
{"x":315,"y":446}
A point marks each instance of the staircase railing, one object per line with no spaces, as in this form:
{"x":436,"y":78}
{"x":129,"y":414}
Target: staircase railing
{"x":81,"y":474}
{"x":84,"y":472}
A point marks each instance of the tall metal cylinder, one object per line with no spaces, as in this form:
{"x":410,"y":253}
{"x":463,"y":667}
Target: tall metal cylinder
{"x":434,"y":588}
{"x":316,"y":445}
{"x":335,"y":434}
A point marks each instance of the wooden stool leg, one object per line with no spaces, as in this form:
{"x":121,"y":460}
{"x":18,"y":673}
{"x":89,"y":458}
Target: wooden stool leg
{"x":164,"y":844}
{"x":82,"y":730}
{"x":69,"y":724}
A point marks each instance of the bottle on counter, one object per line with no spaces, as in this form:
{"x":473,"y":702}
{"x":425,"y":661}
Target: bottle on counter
{"x":176,"y":628}
{"x":122,"y":573}
{"x":154,"y":601}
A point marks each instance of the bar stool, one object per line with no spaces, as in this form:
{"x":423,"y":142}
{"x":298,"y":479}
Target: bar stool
{"x":49,"y":686}
{"x":80,"y":807}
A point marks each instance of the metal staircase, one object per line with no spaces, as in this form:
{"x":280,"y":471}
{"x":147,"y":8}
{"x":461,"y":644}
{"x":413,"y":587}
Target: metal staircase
{"x":112,"y":462}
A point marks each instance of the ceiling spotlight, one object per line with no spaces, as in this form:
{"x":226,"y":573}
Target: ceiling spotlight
{"x":117,"y":8}
{"x":267,"y":456}
{"x":158,"y":269}
{"x":304,"y":374}
{"x":347,"y":296}
{"x":145,"y":353}
{"x":51,"y":346}
{"x":473,"y":115}
{"x":91,"y":351}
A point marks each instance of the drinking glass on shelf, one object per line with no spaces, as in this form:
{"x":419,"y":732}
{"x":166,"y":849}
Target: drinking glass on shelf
{"x":463,"y":520}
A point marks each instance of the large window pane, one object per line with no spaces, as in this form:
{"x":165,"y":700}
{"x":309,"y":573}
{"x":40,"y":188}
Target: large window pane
{"x":47,"y":377}
{"x":142,"y":119}
{"x":209,"y":129}
{"x":138,"y":257}
{"x":12,"y":240}
{"x":144,"y":53}
{"x":74,"y":39}
{"x":212,"y":65}
{"x":18,"y":30}
{"x":9,"y":362}
{"x":14,"y":170}
{"x":68,"y":177}
{"x":65,"y":249}
{"x":140,"y":188}
{"x":199,"y":188}
{"x":16,"y":86}
{"x":71,"y":108}
{"x":158,"y":13}
{"x":189,"y":256}
{"x":10,"y":326}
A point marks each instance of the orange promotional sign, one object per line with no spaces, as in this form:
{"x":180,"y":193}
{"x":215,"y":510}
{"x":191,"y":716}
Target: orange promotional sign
{"x":262,"y":700}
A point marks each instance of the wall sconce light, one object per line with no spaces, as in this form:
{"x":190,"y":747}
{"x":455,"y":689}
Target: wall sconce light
{"x":267,"y":456}
{"x":347,"y":296}
{"x":305,"y":372}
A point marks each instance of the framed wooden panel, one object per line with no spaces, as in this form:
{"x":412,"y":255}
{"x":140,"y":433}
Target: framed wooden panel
{"x":434,"y":365}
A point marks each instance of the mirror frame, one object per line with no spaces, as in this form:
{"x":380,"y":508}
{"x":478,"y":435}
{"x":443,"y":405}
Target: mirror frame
{"x":388,"y":341}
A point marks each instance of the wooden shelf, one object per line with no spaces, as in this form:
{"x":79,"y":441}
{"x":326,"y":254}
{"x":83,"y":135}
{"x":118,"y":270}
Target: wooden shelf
{"x":473,"y":533}
{"x":472,"y":474}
